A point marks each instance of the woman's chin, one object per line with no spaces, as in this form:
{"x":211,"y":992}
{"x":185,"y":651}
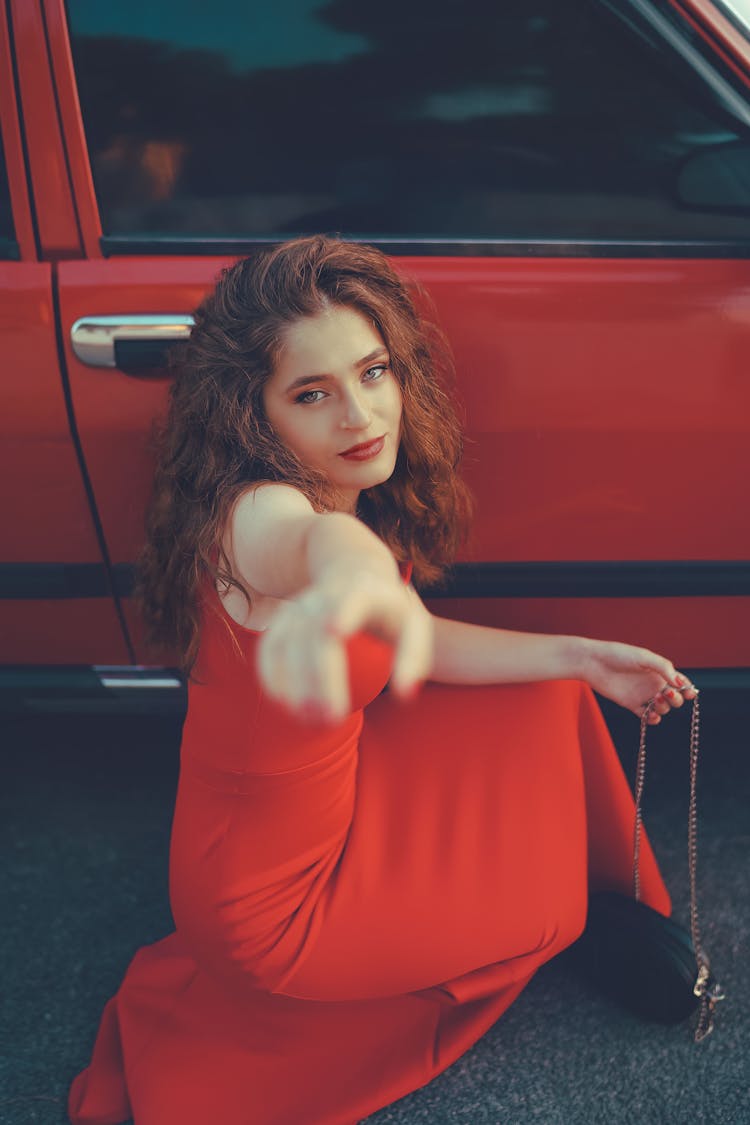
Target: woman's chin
{"x":365,"y":474}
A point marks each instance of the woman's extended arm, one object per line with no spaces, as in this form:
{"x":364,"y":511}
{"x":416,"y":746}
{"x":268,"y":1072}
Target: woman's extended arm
{"x":478,"y":654}
{"x":627,"y":674}
{"x":335,"y":576}
{"x":278,"y":544}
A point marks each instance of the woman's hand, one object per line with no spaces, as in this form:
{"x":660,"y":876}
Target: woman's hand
{"x":302,"y":658}
{"x":634,"y":676}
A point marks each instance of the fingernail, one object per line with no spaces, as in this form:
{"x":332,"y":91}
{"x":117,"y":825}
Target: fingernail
{"x":668,"y":692}
{"x":680,"y":681}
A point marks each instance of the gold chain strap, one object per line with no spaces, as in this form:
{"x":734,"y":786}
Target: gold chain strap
{"x":706,"y":988}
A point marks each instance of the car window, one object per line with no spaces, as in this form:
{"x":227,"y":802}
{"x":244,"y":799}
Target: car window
{"x":404,"y":119}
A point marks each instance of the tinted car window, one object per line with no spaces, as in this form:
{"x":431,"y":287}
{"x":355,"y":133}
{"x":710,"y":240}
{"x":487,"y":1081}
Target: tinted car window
{"x":405,"y":118}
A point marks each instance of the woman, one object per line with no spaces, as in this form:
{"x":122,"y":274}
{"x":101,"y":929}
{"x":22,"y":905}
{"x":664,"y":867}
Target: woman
{"x":361,"y":882}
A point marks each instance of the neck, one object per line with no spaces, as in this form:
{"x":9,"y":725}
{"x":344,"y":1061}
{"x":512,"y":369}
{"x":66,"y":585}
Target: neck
{"x":347,"y":502}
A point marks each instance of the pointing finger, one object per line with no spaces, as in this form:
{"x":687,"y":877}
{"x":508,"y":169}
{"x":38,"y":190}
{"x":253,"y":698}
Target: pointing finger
{"x":413,"y":655}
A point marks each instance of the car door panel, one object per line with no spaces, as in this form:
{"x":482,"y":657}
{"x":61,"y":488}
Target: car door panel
{"x":596,"y":407}
{"x":55,"y":604}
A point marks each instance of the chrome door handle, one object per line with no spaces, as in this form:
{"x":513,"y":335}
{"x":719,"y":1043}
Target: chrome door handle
{"x":132,"y":343}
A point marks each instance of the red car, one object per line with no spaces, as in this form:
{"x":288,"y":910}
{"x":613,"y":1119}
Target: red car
{"x":571,"y":183}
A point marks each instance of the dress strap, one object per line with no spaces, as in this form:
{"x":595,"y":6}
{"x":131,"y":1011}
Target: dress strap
{"x":406,"y":568}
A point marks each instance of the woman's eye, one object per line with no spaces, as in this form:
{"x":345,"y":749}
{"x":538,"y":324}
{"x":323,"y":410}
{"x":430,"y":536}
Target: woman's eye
{"x":306,"y":396}
{"x":376,"y":371}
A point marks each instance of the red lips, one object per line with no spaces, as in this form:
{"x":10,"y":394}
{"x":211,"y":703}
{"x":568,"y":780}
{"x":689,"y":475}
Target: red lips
{"x":364,"y":450}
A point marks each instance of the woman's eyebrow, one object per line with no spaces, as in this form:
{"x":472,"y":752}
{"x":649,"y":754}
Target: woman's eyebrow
{"x":305,"y":380}
{"x":371,"y":356}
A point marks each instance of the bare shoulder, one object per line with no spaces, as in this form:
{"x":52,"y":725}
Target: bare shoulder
{"x":271,"y":499}
{"x":265,"y":538}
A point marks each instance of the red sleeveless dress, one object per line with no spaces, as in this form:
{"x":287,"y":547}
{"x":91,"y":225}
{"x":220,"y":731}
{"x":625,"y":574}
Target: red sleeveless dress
{"x":355,"y":903}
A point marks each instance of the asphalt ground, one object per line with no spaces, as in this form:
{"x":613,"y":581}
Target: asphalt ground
{"x":85,"y":820}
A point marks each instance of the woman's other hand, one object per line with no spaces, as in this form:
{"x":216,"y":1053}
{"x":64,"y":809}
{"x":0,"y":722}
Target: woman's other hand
{"x":634,"y":677}
{"x":302,"y":656}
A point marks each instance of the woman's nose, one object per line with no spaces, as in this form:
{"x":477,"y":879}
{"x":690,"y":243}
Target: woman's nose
{"x":356,"y":413}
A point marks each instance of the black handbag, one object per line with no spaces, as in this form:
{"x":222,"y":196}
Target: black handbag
{"x":648,"y":963}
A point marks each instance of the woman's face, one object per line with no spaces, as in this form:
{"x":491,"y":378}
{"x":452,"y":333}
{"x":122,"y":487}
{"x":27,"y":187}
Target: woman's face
{"x":333,"y":389}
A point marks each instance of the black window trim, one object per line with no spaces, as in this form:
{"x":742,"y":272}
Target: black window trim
{"x":192,"y":245}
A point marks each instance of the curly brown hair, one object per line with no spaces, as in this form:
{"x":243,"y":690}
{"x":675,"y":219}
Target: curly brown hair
{"x":216,"y":440}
